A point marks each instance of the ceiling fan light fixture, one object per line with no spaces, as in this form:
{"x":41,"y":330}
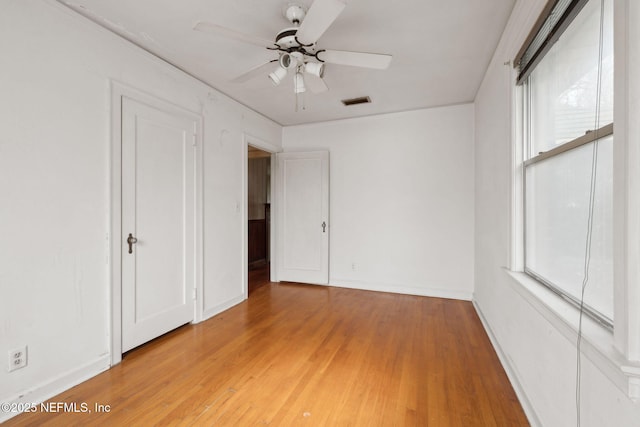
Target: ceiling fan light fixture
{"x":285,"y":60}
{"x":278,"y":75}
{"x":314,"y":68}
{"x":297,"y":51}
{"x":298,"y":81}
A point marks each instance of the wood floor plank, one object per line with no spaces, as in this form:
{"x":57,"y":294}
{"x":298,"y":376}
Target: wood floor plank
{"x":307,"y":355}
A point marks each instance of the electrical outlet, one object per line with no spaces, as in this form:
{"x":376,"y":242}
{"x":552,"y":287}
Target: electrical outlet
{"x":17,"y":358}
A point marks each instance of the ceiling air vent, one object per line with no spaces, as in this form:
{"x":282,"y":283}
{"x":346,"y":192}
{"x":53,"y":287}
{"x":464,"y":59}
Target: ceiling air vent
{"x":356,"y":101}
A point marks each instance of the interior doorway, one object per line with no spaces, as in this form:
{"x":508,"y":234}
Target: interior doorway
{"x":155,"y":274}
{"x":259,"y":170}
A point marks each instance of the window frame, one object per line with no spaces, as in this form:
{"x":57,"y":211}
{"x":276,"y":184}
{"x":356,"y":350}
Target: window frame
{"x":616,"y":353}
{"x":590,"y":137}
{"x":527,"y":157}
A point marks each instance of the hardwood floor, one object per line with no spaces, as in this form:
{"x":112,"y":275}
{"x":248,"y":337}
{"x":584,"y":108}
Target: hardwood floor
{"x":258,"y":277}
{"x":308,"y":355}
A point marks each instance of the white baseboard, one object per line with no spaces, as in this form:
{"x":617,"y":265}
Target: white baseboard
{"x":513,"y":378}
{"x":402,"y":289}
{"x":217,"y":309}
{"x":57,"y":385}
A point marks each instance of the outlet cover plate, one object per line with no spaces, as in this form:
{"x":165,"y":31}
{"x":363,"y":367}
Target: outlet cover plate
{"x":17,"y":358}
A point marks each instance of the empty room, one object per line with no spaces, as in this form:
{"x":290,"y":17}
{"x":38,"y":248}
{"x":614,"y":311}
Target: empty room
{"x":320,"y":212}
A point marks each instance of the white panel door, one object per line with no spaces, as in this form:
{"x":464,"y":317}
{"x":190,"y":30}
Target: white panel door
{"x":303,"y":228}
{"x":158,"y":182}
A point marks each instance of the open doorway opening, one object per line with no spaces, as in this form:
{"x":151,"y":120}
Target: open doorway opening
{"x":258,"y":217}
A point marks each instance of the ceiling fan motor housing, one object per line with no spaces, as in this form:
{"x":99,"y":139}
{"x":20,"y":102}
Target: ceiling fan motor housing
{"x":287,"y":38}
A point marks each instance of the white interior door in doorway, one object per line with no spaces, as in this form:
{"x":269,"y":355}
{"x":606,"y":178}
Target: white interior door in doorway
{"x":303,"y":226}
{"x":158,"y":221}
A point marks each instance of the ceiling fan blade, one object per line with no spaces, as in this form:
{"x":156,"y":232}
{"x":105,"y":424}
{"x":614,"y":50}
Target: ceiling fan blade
{"x":207,"y":27}
{"x":356,"y":59}
{"x":319,"y":17}
{"x":315,"y":84}
{"x":254,"y":72}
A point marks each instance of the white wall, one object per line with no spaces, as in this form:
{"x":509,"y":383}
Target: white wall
{"x":55,"y":69}
{"x":401,"y":199}
{"x":539,"y":356}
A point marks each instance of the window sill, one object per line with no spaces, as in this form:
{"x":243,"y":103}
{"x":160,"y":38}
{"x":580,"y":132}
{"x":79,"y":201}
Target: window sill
{"x":597,"y":341}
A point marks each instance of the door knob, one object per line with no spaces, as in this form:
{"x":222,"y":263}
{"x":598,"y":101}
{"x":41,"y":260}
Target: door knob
{"x":131,"y":240}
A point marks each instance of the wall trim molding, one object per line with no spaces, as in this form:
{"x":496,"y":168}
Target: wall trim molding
{"x":219,"y":308}
{"x":510,"y":371}
{"x":57,"y":385}
{"x":395,"y":288}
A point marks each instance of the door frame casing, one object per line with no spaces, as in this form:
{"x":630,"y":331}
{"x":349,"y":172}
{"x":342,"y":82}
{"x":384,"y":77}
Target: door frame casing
{"x":118,"y":92}
{"x":273,"y":149}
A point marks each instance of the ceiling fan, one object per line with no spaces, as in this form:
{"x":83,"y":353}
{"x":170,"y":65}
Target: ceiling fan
{"x":296,"y":47}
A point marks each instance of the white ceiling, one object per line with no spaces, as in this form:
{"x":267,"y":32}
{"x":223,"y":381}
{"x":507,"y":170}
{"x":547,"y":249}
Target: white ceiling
{"x":440,"y":48}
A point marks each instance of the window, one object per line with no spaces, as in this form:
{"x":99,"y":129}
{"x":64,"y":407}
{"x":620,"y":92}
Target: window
{"x":568,"y":168}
